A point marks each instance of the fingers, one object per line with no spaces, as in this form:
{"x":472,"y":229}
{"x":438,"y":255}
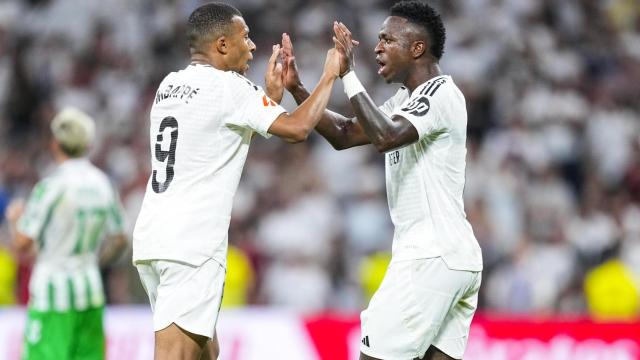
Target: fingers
{"x":345,"y":29}
{"x":291,"y":62}
{"x":337,"y":30}
{"x":274,"y":57}
{"x":287,"y":46}
{"x":339,"y":46}
{"x":344,"y":34}
{"x":338,"y":38}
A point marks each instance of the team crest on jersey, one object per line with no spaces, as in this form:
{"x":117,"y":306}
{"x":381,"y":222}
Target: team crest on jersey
{"x":418,"y":107}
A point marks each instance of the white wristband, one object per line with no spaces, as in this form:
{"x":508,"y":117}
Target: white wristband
{"x":352,"y":85}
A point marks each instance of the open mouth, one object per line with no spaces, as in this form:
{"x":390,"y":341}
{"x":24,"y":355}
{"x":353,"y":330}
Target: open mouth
{"x":381,"y":66}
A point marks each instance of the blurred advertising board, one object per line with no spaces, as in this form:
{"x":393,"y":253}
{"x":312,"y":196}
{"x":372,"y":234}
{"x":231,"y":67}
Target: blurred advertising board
{"x":267,"y":333}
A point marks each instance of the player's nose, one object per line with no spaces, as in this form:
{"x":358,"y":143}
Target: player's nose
{"x":379,"y":47}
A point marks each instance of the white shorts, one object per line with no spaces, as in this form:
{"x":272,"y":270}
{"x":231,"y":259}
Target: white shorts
{"x":187,"y":295}
{"x":420,"y":303}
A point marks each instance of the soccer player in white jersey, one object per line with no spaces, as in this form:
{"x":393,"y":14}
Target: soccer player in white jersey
{"x":424,"y":306}
{"x":202,"y":121}
{"x":65,"y":220}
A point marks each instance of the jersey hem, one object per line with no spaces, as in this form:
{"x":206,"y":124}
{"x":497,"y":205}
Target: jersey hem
{"x":452,"y":265}
{"x":196,"y":260}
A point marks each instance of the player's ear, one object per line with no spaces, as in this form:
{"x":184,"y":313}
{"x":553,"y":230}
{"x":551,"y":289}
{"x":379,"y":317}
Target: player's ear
{"x":418,"y":48}
{"x":222,"y":45}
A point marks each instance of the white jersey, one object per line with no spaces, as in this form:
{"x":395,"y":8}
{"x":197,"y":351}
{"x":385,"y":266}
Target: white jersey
{"x":68,"y":214}
{"x":202,"y":122}
{"x":425,"y":180}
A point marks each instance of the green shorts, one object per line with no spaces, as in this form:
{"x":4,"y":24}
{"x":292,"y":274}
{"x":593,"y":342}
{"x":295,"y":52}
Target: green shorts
{"x":64,"y":335}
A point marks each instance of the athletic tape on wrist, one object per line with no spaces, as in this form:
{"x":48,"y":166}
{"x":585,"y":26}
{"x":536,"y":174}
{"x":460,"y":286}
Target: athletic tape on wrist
{"x":352,"y":85}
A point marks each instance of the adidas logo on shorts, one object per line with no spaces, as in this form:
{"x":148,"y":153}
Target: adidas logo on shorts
{"x":365,"y":341}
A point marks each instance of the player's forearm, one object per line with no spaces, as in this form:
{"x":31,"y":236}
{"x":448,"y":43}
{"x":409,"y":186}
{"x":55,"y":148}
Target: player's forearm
{"x":299,"y":93}
{"x":114,"y":247}
{"x":274,"y":94}
{"x":334,"y":127}
{"x":338,"y":130}
{"x":311,"y":110}
{"x":21,"y":243}
{"x":380,"y":129}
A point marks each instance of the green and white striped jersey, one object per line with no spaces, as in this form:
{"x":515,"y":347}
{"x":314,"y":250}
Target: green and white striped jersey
{"x":68,"y":214}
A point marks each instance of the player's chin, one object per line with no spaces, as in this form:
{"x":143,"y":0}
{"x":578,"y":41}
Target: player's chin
{"x":388,"y":77}
{"x":243,"y":70}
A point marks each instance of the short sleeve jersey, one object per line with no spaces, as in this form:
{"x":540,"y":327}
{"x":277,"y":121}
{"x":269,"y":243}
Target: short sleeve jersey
{"x":68,"y":214}
{"x":425,"y":180}
{"x":201,"y":125}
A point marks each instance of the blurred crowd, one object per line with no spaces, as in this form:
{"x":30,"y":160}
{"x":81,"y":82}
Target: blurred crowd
{"x":553,"y":162}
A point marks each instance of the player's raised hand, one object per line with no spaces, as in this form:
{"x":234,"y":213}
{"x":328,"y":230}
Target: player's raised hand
{"x":274,"y":86}
{"x":332,"y":63}
{"x":344,"y":44}
{"x":290,"y":75}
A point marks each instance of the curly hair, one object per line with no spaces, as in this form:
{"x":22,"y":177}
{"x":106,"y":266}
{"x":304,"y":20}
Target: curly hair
{"x":419,"y":12}
{"x":208,"y":22}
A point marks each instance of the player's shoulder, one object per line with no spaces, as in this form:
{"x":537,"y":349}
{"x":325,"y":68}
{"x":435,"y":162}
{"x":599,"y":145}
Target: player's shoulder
{"x":196,"y":73}
{"x":49,"y":186}
{"x":96,"y":171}
{"x":400,"y":95}
{"x":433,"y":86}
{"x":241,"y":82}
{"x":231,"y":79}
{"x":441,"y":88}
{"x":90,"y":172}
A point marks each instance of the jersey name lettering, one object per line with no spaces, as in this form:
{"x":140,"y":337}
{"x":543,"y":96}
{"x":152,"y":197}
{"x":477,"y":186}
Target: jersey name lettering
{"x":182,"y":92}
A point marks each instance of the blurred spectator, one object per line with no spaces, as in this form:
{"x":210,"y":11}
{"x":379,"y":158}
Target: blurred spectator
{"x":240,"y":279}
{"x":612,"y":292}
{"x":372,"y":270}
{"x":8,"y":277}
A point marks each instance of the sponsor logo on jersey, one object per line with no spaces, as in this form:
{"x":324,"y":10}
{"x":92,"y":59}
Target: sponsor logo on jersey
{"x":418,"y":107}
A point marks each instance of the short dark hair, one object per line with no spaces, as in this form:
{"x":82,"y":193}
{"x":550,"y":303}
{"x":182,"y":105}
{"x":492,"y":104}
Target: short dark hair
{"x":208,"y":22}
{"x":419,"y":12}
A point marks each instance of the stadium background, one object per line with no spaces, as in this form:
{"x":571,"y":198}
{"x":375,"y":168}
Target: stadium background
{"x":553,"y":171}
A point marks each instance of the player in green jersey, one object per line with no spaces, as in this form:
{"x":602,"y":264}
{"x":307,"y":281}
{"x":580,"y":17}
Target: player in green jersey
{"x":67,"y":216}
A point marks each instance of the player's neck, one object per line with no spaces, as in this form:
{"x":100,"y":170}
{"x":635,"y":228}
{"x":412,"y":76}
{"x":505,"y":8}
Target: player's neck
{"x":421,"y":74}
{"x":216,"y":62}
{"x":60,"y":158}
